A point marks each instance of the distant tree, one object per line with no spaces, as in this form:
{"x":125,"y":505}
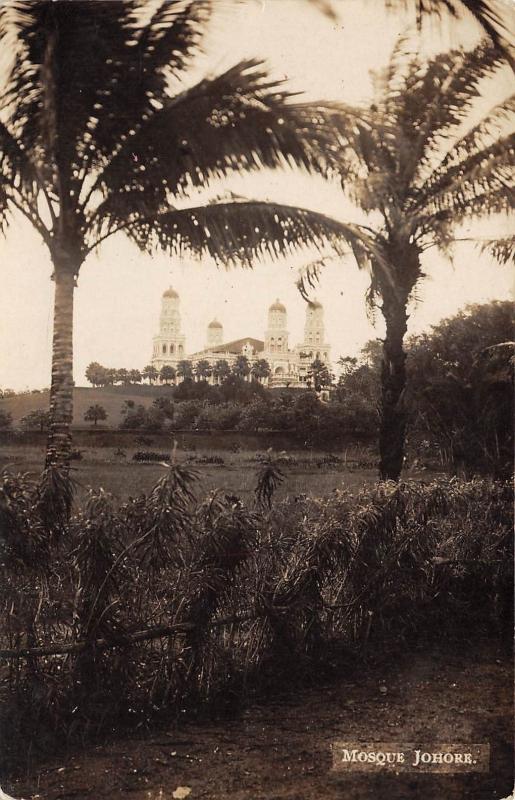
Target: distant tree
{"x":203,"y":369}
{"x":36,"y":420}
{"x":461,"y":388}
{"x":95,"y":413}
{"x":127,"y":407}
{"x":166,"y":405}
{"x":319,"y":376}
{"x":134,"y":376}
{"x":238,"y":390}
{"x":122,"y":376}
{"x":347,"y":364}
{"x":111,"y":376}
{"x":185,"y":369}
{"x":8,"y":393}
{"x":96,"y":374}
{"x":260,"y":368}
{"x":256,"y":415}
{"x":221,"y":370}
{"x":167,"y":373}
{"x":241,"y":367}
{"x":154,"y":419}
{"x":133,"y":416}
{"x":150,"y":373}
{"x":186,"y":414}
{"x":223,"y":417}
{"x":6,"y":419}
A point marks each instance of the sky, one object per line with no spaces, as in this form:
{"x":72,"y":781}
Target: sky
{"x":117,"y":300}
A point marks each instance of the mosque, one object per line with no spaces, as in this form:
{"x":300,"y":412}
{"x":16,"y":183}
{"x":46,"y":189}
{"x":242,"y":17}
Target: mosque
{"x":288,"y":367}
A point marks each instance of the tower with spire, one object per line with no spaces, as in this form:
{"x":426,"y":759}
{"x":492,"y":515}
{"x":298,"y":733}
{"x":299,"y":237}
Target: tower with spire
{"x":169,"y":343}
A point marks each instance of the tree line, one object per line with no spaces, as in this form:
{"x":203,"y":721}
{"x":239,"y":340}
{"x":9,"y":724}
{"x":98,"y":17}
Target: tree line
{"x":202,"y":369}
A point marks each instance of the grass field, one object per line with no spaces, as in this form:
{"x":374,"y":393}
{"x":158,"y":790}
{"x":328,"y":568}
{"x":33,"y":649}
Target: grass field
{"x":110,"y":397}
{"x":305,"y":473}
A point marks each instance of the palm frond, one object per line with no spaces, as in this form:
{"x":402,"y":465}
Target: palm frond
{"x":240,"y":120}
{"x":481,"y":136}
{"x":489,"y":14}
{"x":486,"y":174}
{"x":241,"y":233}
{"x":503,"y":250}
{"x":172,"y":36}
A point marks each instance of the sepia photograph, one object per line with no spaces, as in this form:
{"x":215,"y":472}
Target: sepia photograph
{"x":257,"y":362}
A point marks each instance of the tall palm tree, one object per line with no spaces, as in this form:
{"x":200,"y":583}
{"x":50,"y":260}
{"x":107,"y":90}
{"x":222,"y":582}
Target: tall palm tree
{"x":260,"y":368}
{"x":421,"y":167}
{"x":221,"y":370}
{"x":150,"y":373}
{"x":203,"y":369}
{"x":99,"y":136}
{"x":241,"y":367}
{"x":184,"y":370}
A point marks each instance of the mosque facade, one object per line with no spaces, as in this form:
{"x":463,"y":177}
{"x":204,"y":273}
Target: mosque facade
{"x":289,"y":366}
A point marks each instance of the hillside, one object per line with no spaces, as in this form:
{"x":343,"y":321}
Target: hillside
{"x":110,"y":397}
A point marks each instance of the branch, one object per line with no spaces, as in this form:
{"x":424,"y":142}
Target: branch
{"x":145,"y":635}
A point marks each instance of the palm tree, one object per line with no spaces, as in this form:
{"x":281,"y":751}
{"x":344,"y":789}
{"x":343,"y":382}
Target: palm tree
{"x":98,"y":136}
{"x":203,"y":369}
{"x":221,"y":370}
{"x":241,"y":367}
{"x":184,"y":370}
{"x":167,"y":373}
{"x":260,"y":369}
{"x":150,"y":373}
{"x":420,"y":171}
{"x":318,"y":375}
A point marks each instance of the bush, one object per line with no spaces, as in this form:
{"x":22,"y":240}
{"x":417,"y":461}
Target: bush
{"x":6,"y":419}
{"x":148,"y":455}
{"x":222,"y":417}
{"x":218,"y":460}
{"x":167,"y":600}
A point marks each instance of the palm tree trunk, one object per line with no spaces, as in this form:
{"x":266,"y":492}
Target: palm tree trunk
{"x":61,"y":389}
{"x":392,"y":432}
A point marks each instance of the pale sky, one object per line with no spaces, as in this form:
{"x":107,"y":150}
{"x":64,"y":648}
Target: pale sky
{"x":119,"y":290}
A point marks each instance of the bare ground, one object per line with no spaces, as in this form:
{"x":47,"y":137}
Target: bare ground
{"x":280,"y":749}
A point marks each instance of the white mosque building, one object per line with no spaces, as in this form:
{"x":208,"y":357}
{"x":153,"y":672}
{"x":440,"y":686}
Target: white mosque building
{"x":289,"y":367}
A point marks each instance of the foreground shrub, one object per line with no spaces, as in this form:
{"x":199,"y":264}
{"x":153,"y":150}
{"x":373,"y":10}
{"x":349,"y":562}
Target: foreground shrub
{"x":149,"y":455}
{"x":167,"y":601}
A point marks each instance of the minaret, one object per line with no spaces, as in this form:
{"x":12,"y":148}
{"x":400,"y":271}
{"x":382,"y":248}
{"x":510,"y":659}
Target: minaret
{"x":314,"y":332}
{"x":215,"y":334}
{"x":276,"y":336}
{"x":169,"y":343}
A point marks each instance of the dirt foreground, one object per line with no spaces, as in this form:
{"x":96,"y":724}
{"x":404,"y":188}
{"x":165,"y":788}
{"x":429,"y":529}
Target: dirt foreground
{"x":282,"y":750}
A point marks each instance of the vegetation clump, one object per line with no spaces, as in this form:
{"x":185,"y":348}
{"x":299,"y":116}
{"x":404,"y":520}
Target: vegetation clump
{"x":167,"y":600}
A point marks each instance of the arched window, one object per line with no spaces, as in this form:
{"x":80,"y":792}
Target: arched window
{"x":164,"y":348}
{"x":172,"y":348}
{"x":180,"y":349}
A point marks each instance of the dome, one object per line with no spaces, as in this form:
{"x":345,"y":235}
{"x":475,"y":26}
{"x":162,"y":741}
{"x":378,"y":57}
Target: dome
{"x":215,"y":324}
{"x":171,"y":293}
{"x":277,"y":306}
